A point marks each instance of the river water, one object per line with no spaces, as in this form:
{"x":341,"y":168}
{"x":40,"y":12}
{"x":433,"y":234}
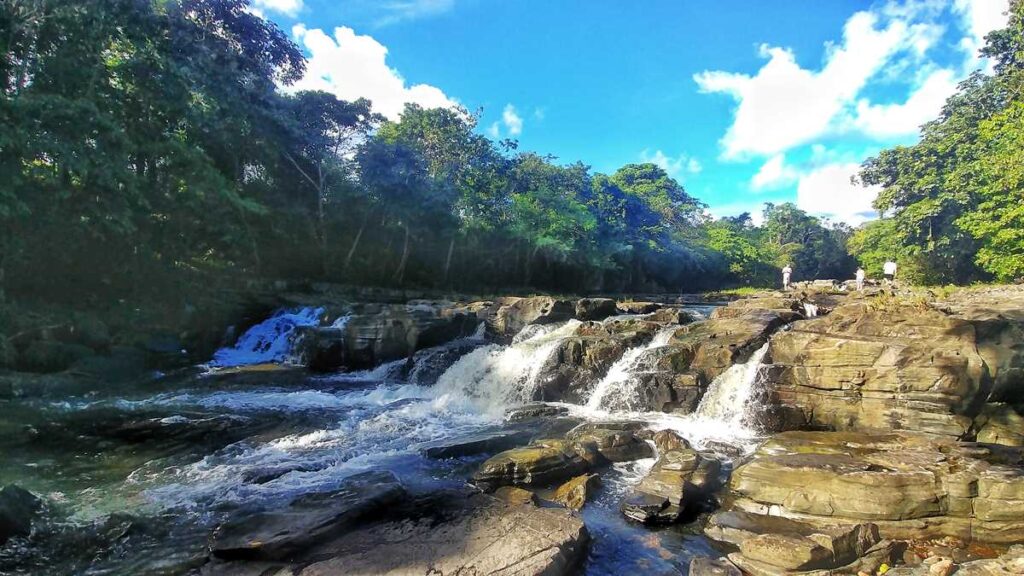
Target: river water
{"x":137,"y":479}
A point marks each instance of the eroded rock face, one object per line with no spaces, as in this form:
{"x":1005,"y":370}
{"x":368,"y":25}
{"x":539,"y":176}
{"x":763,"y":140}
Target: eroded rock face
{"x":1000,"y":424}
{"x":909,"y":485}
{"x":863,"y":367}
{"x":280,"y":534}
{"x":513,"y":314}
{"x":605,"y":442}
{"x":490,"y":538}
{"x":595,"y":308}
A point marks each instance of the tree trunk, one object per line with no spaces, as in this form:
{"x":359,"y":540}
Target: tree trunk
{"x":400,"y":271}
{"x":448,"y":260}
{"x":355,"y":243}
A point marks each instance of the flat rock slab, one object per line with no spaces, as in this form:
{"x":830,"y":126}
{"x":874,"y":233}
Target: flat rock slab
{"x":280,"y":534}
{"x":473,"y":444}
{"x":490,"y":539}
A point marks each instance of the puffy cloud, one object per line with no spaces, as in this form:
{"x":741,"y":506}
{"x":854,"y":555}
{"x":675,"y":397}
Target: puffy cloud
{"x":286,"y":7}
{"x":923,"y":105}
{"x":675,"y":167}
{"x":828,"y":192}
{"x":351,"y":66}
{"x":979,"y":17}
{"x":784,"y":105}
{"x":773,"y":174}
{"x":512,"y":120}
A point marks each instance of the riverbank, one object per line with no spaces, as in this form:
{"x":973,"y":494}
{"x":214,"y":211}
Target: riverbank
{"x":813,"y":430}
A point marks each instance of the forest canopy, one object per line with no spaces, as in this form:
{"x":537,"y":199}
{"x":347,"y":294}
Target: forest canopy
{"x":148,"y":145}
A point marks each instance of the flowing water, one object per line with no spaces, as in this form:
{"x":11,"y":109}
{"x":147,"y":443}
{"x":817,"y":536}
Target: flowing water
{"x":187,"y":450}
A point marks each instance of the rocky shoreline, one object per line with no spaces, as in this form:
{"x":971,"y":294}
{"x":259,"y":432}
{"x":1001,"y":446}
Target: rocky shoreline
{"x":890,"y":425}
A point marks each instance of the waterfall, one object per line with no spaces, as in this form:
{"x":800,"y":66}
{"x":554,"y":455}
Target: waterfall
{"x":810,"y":310}
{"x":268,"y":341}
{"x":495,"y":377}
{"x":618,"y":389}
{"x":727,"y":399}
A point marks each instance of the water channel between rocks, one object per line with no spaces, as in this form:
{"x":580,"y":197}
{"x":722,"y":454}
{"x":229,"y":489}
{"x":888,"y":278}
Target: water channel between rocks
{"x":139,"y":479}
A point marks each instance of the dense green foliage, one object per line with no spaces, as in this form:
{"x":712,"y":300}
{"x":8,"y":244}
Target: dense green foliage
{"x":955,"y":200}
{"x":149,"y":146}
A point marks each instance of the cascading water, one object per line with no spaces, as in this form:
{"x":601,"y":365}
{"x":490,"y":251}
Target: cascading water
{"x":618,"y":389}
{"x":810,"y":310}
{"x":727,"y":400}
{"x":269,"y":341}
{"x":492,"y":378}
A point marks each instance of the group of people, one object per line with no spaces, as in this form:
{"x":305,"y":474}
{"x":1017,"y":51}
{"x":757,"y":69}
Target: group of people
{"x":888,"y":273}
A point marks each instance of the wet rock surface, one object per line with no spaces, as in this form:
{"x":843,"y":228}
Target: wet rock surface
{"x":281,"y":534}
{"x":18,"y":508}
{"x":485,"y":536}
{"x":679,"y":482}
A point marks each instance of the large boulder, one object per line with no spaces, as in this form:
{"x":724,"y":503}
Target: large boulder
{"x":542,"y":463}
{"x":18,"y":508}
{"x":516,"y":314}
{"x":595,"y":308}
{"x":489,"y":537}
{"x":307,"y":521}
{"x":680,"y":480}
{"x":575,"y":493}
{"x":606,"y":442}
{"x":909,"y":485}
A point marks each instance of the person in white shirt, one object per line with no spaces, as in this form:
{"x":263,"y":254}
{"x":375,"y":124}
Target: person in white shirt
{"x":860,"y":278}
{"x":889,"y":271}
{"x":786,"y":273}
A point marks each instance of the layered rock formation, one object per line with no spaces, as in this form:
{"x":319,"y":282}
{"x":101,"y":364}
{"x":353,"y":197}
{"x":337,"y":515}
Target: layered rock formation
{"x":909,"y":485}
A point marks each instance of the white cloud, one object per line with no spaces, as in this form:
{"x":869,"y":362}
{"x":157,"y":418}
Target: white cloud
{"x":979,"y":17}
{"x":539,"y":113}
{"x":675,"y":167}
{"x":286,"y":7}
{"x":351,"y":66}
{"x":774,"y":173}
{"x":512,"y":120}
{"x":401,"y":10}
{"x":828,"y":192}
{"x":923,"y":105}
{"x":784,"y":105}
{"x":494,"y":131}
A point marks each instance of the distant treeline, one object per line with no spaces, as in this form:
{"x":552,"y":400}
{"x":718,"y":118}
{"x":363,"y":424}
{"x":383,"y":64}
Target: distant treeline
{"x":955,"y":200}
{"x":147,"y":148}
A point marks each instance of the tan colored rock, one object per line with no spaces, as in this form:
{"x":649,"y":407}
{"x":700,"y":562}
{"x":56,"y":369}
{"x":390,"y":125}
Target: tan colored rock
{"x":574,"y":493}
{"x":677,"y":481}
{"x":604,"y":442}
{"x":515,"y":496}
{"x":544,"y":462}
{"x":786,"y":551}
{"x":1000,"y":424}
{"x":909,"y":485}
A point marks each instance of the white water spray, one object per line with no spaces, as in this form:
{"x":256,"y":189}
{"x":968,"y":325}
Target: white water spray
{"x":494,"y":378}
{"x":810,"y":310}
{"x":269,"y":341}
{"x":618,"y":389}
{"x":728,"y":398}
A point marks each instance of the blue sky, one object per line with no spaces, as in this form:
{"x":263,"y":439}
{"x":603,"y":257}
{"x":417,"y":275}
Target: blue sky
{"x":745,"y":102}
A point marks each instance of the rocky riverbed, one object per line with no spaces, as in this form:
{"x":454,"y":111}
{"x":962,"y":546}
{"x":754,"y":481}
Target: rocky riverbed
{"x":816,"y":431}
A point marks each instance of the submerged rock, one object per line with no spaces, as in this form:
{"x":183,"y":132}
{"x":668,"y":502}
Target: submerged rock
{"x":18,"y":508}
{"x":534,"y":411}
{"x":472,"y":444}
{"x":280,"y":534}
{"x":489,"y":538}
{"x":703,"y":566}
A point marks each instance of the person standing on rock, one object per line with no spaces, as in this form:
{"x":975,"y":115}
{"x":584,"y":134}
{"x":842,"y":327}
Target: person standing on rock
{"x":859,"y":276}
{"x":889,"y":272}
{"x":786,"y":273}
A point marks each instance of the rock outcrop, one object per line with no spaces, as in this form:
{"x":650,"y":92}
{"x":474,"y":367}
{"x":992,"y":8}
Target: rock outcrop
{"x":490,"y":537}
{"x":678,"y":482}
{"x":909,"y":485}
{"x":306,"y":522}
{"x":18,"y":508}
